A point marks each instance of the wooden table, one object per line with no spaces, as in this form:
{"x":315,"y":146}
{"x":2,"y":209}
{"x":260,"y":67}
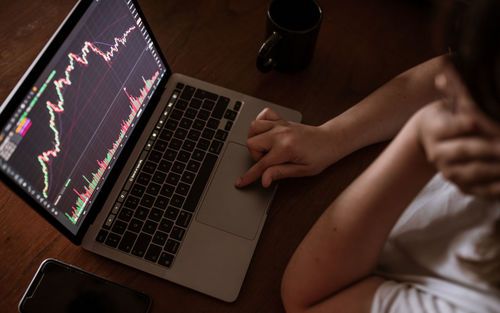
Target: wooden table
{"x":361,"y":45}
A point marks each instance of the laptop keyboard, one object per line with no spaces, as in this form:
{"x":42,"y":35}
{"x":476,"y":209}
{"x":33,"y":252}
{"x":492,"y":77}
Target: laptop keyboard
{"x":155,"y":207}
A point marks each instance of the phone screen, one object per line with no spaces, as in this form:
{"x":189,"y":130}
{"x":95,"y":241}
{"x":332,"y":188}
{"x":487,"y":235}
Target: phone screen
{"x":62,"y":288}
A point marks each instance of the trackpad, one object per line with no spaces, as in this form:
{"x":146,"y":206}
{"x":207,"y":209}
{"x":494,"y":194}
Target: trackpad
{"x":234,"y":210}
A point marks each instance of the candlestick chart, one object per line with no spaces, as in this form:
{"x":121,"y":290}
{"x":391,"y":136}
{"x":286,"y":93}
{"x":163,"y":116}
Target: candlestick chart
{"x":90,"y":97}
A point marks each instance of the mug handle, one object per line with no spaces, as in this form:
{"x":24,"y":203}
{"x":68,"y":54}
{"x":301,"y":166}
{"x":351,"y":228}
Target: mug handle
{"x":265,"y":61}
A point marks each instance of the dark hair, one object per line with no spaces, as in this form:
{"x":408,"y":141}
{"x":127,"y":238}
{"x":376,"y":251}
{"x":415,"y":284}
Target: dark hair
{"x":472,"y":32}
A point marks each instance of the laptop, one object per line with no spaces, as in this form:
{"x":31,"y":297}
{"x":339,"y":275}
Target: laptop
{"x":134,"y":162}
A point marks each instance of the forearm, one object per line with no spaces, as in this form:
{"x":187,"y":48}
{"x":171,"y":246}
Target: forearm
{"x":380,"y":116}
{"x":344,"y":244}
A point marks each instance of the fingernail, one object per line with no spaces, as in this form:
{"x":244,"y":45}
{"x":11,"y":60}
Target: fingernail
{"x":239,"y":182}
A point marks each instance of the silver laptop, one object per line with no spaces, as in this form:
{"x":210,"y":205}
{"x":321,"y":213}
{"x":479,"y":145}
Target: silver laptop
{"x":133,"y":162}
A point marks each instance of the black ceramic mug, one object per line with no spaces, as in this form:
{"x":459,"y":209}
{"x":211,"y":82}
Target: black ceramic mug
{"x":292,"y":29}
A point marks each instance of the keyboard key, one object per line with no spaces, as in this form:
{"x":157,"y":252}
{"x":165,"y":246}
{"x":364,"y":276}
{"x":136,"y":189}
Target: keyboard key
{"x":228,"y":126}
{"x":195,"y":103}
{"x":188,"y":145}
{"x":143,"y":179}
{"x":137,"y":190}
{"x":141,"y":213}
{"x":187,"y":177}
{"x":183,"y":156}
{"x":208,"y":105}
{"x":141,"y":244}
{"x":170,"y":155}
{"x":180,"y":133}
{"x":171,"y":124}
{"x":216,"y":147}
{"x":161,"y":145}
{"x":176,"y":114}
{"x":181,"y":104}
{"x":198,"y":155}
{"x":182,"y":189}
{"x":135,"y":225}
{"x":159,"y":177}
{"x":155,"y":156}
{"x":177,"y":233}
{"x":194,"y":134}
{"x":213,"y":123}
{"x":164,"y":166}
{"x":165,"y":225}
{"x":205,"y":94}
{"x":191,"y":113}
{"x":153,"y":189}
{"x":208,"y":133}
{"x":131,"y":202}
{"x":127,"y":242}
{"x":153,"y":253}
{"x":220,"y":107}
{"x":171,"y":213}
{"x":230,"y":115}
{"x":155,"y":214}
{"x":175,"y":144}
{"x":179,"y":86}
{"x":160,"y":238}
{"x":167,"y":190}
{"x":113,"y":240}
{"x":147,"y":201}
{"x":186,"y":123}
{"x":166,"y":135}
{"x":149,"y":167}
{"x":173,"y":178}
{"x":166,"y":259}
{"x":187,"y":93}
{"x":203,"y":114}
{"x":221,"y":134}
{"x":119,"y":227}
{"x":125,"y":214}
{"x":101,"y":236}
{"x":149,"y":227}
{"x":184,"y":219}
{"x":199,"y":183}
{"x":237,"y":105}
{"x":198,"y":124}
{"x":178,"y":167}
{"x":193,"y":166}
{"x":161,"y":202}
{"x":177,"y":200}
{"x":171,"y":246}
{"x":203,"y":144}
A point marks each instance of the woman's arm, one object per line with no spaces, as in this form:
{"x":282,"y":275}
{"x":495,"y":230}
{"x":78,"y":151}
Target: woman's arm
{"x":285,"y":149}
{"x":331,"y":268}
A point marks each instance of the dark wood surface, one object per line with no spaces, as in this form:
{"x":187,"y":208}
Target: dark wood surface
{"x":361,"y":45}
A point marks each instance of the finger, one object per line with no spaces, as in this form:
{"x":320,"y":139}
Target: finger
{"x":259,"y":145}
{"x":465,"y":149}
{"x":257,"y":169}
{"x":472,"y":174}
{"x":259,"y":126}
{"x":286,"y":170}
{"x":490,"y":191}
{"x":268,"y":114}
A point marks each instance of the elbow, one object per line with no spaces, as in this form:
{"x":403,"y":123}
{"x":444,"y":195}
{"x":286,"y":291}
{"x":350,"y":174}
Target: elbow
{"x":291,"y":300}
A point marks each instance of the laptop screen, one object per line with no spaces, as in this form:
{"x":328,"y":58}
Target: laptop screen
{"x":64,"y":134}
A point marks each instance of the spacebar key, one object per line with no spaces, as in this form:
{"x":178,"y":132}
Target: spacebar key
{"x":200,"y":183}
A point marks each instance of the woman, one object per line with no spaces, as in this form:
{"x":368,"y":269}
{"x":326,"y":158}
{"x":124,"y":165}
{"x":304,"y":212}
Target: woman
{"x":403,"y":237}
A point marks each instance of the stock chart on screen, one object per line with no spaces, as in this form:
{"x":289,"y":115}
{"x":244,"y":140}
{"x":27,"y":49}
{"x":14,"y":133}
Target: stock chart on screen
{"x":66,"y":134}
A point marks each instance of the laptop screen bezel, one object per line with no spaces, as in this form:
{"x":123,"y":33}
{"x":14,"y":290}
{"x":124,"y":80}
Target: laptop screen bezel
{"x":29,"y":78}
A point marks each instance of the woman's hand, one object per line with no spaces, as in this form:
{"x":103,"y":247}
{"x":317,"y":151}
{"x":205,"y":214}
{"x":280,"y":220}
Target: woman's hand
{"x":285,"y":149}
{"x":462,"y":142}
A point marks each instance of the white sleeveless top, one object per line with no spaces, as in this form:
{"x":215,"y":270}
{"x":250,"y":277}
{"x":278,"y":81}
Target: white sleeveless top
{"x":420,"y":258}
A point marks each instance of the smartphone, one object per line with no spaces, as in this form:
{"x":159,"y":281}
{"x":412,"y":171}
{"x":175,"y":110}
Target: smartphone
{"x":62,"y":288}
